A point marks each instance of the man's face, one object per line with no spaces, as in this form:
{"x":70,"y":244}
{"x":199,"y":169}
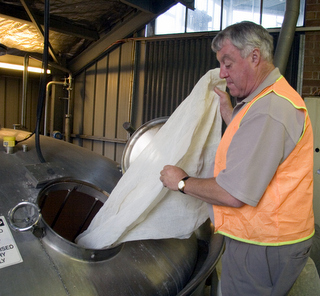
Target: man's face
{"x":237,"y":71}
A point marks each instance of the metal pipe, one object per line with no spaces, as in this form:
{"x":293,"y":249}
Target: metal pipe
{"x":43,"y":79}
{"x":286,"y":35}
{"x":132,"y":79}
{"x":52,"y":105}
{"x":25,"y":84}
{"x":67,"y":129}
{"x":68,"y":83}
{"x":24,"y":90}
{"x":69,"y":89}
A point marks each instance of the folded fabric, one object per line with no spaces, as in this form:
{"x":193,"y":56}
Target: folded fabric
{"x":139,"y":207}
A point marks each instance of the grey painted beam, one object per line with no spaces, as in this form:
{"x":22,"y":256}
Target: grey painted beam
{"x":124,"y":29}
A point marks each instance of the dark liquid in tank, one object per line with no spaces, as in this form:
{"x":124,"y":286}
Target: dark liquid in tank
{"x":68,"y":213}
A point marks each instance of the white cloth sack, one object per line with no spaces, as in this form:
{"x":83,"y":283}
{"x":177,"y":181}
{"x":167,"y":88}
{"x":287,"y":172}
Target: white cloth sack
{"x":139,"y":207}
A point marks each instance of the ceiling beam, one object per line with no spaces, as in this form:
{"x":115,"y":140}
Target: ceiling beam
{"x":39,"y":28}
{"x":122,"y":30}
{"x":152,"y":6}
{"x":57,"y":24}
{"x":156,"y":7}
{"x":188,"y":3}
{"x":147,"y":11}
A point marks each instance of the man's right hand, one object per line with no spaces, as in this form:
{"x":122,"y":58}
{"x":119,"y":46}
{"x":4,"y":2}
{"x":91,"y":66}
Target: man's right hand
{"x":225,"y":105}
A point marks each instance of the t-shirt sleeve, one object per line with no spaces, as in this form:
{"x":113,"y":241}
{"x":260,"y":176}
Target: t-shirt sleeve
{"x":266,"y":136}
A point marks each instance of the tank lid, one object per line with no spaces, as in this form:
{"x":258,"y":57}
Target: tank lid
{"x":140,"y":140}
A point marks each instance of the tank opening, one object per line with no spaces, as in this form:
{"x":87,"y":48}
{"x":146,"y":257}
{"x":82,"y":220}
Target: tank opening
{"x":68,"y":208}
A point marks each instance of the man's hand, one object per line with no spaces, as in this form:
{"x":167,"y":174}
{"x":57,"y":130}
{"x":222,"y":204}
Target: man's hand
{"x":171,"y":175}
{"x":207,"y":189}
{"x":225,"y":105}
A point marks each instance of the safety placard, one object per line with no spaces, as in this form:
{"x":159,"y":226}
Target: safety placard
{"x":9,"y":253}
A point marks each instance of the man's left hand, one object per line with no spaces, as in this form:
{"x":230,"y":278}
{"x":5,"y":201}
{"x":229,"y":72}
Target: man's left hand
{"x":171,"y":175}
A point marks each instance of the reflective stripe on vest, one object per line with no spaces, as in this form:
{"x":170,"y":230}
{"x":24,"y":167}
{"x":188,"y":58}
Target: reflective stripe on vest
{"x":284,"y":214}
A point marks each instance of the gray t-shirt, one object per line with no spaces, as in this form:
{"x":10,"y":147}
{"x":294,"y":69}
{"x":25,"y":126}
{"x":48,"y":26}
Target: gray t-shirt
{"x":266,"y":136}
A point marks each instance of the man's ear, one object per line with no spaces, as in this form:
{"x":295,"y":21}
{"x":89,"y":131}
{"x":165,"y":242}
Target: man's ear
{"x":256,"y":56}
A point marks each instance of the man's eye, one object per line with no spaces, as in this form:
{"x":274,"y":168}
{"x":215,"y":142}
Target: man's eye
{"x":228,"y":66}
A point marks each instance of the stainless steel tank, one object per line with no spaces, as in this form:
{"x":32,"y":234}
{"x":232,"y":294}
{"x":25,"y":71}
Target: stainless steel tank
{"x":61,"y":197}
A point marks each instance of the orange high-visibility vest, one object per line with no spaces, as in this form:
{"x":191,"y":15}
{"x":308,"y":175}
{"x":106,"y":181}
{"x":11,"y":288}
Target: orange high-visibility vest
{"x":284,"y":214}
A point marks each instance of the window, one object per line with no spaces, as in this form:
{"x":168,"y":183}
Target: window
{"x":209,"y":15}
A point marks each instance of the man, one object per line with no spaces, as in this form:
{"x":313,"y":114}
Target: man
{"x":261,"y":192}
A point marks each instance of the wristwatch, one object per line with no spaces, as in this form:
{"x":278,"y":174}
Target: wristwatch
{"x":182,"y":184}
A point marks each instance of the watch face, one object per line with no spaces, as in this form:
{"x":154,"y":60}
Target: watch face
{"x":181,"y":185}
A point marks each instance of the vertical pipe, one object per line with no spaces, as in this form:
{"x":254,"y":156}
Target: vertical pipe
{"x":43,"y":79}
{"x":286,"y":35}
{"x":67,"y":132}
{"x":261,"y":11}
{"x":24,"y":90}
{"x":52,"y":105}
{"x":221,"y":15}
{"x":132,"y":78}
{"x":67,"y":126}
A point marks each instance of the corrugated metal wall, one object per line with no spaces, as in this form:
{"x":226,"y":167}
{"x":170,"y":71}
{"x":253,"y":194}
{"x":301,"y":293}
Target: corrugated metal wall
{"x":11,"y":101}
{"x":101,"y":103}
{"x":172,"y":69}
{"x":155,"y":76}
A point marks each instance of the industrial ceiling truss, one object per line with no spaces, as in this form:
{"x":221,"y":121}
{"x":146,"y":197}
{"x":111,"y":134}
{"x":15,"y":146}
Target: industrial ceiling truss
{"x":75,"y":25}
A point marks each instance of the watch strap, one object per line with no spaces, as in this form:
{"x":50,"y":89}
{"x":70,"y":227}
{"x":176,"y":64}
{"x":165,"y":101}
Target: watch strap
{"x":183,"y":179}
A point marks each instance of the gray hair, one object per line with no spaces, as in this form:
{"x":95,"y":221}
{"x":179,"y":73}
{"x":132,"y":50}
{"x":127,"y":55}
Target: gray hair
{"x":246,"y":36}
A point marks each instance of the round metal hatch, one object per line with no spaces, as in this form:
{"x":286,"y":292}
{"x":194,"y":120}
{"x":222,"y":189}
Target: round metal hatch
{"x":67,"y":208}
{"x":140,"y":140}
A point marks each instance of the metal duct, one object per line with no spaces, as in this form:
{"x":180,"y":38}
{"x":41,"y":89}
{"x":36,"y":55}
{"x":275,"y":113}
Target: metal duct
{"x":286,"y":35}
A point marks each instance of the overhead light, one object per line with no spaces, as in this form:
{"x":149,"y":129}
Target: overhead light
{"x":21,"y":68}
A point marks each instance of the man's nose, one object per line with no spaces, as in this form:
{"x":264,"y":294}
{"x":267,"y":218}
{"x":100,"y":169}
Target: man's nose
{"x":223,"y":73}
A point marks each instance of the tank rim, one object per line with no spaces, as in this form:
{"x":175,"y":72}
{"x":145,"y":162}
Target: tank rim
{"x":61,"y":244}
